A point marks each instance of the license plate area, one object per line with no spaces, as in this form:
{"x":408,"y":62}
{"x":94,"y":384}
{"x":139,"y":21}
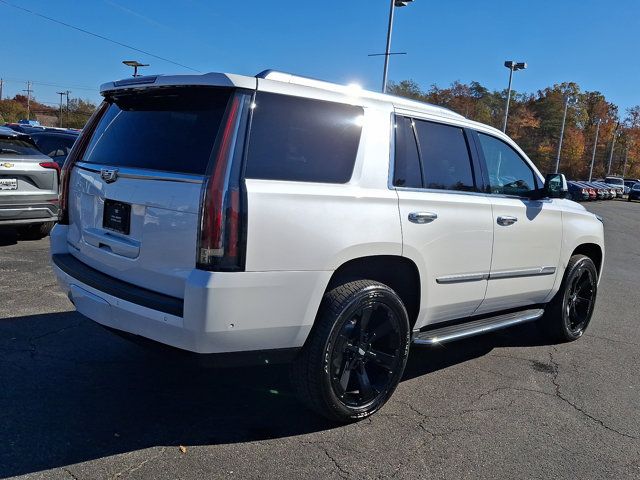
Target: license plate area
{"x":117,"y":216}
{"x":8,"y":183}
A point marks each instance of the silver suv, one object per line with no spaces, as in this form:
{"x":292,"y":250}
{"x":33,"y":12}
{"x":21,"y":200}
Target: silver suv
{"x":28,"y":186}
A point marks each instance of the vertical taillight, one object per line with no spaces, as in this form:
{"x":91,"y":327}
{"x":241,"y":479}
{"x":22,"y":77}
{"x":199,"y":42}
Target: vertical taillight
{"x":76,"y":153}
{"x":223,"y":218}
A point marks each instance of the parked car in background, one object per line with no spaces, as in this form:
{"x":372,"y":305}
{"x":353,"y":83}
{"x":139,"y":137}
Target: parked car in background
{"x":634,"y":193}
{"x":602,"y":192}
{"x":201,"y":212}
{"x":593,"y":195}
{"x":55,"y":143}
{"x":25,"y":127}
{"x":630,"y":182}
{"x":609,"y":191}
{"x":618,"y":184}
{"x":577,"y":192}
{"x":28,"y":185}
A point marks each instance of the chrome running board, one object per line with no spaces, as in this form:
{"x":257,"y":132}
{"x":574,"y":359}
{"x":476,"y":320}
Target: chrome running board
{"x":475,"y":327}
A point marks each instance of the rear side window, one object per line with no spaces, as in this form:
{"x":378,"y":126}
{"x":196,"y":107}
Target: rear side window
{"x":446,"y":162}
{"x":406,"y":172}
{"x":172,"y":130}
{"x":301,"y":139}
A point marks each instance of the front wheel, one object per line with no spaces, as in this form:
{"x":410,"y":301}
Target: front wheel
{"x":356,"y":352}
{"x":567,"y":316}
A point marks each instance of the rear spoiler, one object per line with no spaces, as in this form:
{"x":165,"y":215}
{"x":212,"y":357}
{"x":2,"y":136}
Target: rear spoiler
{"x":153,"y":81}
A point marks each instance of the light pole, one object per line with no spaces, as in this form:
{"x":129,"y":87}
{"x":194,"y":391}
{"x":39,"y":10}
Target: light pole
{"x":595,"y":145}
{"x":387,"y":53}
{"x":564,"y":119}
{"x":613,"y":146}
{"x":135,"y":64}
{"x":513,"y":67}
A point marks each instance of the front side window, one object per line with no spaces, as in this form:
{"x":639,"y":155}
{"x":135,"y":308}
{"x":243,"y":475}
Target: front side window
{"x":301,"y":139}
{"x":446,"y":162}
{"x":509,"y":174}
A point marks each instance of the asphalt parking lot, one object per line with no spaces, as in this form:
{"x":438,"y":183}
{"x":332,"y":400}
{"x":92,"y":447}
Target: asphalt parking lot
{"x":78,"y":402}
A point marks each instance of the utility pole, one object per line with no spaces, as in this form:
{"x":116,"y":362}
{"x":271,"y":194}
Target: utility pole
{"x":29,"y":91}
{"x":67,"y":94}
{"x":626,"y":159}
{"x":595,"y":145}
{"x":1,"y":84}
{"x":613,"y":146}
{"x":564,"y":119}
{"x":60,"y":114}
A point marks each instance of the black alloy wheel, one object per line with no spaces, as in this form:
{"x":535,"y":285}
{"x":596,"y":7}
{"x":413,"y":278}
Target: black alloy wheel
{"x":567,"y":316}
{"x":580,"y":299}
{"x":356,"y":352}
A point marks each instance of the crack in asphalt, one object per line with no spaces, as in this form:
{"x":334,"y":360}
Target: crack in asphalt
{"x":559,"y":394}
{"x":140,"y":465}
{"x":613,"y":340}
{"x":341,"y":471}
{"x":70,"y":473}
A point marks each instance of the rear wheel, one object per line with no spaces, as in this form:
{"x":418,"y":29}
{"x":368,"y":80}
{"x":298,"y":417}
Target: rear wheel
{"x":35,"y":231}
{"x":569,"y":313}
{"x":356,"y":353}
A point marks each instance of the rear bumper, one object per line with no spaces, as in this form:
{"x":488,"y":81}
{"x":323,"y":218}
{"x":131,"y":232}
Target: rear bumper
{"x":16,"y":214}
{"x":220,"y":312}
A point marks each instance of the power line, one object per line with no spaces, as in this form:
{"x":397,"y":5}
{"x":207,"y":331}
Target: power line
{"x":46,"y":84}
{"x":102,"y":37}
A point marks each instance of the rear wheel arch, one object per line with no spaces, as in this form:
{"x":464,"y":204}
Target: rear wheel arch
{"x":398,"y":273}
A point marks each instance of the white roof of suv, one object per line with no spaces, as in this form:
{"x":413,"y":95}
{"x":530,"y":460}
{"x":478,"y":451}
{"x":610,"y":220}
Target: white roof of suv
{"x":242,"y":81}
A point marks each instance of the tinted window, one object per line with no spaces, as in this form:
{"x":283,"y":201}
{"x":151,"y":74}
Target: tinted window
{"x":509,"y":174}
{"x":16,"y":146}
{"x":53,"y":145}
{"x":301,"y":139}
{"x":446,"y":163}
{"x":406,"y":172}
{"x":172,"y":130}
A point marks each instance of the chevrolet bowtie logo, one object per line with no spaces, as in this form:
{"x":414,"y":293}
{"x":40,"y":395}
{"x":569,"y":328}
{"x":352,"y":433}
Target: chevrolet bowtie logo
{"x":7,"y":164}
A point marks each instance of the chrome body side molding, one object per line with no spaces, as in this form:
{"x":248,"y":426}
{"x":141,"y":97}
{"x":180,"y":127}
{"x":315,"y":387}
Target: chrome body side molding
{"x":475,"y":277}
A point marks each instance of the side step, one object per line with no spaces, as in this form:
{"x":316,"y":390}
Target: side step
{"x":475,"y":327}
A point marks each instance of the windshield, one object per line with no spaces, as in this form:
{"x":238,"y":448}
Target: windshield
{"x":615,"y":181}
{"x":170,"y":130}
{"x":16,"y":146}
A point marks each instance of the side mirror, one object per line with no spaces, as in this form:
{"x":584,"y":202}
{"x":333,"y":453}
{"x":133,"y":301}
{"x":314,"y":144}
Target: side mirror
{"x":555,"y":185}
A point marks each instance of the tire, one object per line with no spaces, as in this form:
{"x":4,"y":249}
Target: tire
{"x":344,"y":372}
{"x":35,"y":231}
{"x":567,"y":316}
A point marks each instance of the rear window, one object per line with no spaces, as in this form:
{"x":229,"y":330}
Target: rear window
{"x":305,"y":140}
{"x":53,"y":145}
{"x":172,"y":130}
{"x":16,"y":146}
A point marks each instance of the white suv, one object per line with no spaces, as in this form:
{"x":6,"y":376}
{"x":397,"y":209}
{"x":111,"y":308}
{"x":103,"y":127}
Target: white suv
{"x":282,"y":217}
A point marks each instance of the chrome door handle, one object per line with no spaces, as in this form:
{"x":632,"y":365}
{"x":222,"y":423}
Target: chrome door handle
{"x":506,"y":220}
{"x":422,"y":217}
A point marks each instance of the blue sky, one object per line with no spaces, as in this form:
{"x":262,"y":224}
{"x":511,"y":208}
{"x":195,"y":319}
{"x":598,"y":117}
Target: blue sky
{"x":592,"y":42}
